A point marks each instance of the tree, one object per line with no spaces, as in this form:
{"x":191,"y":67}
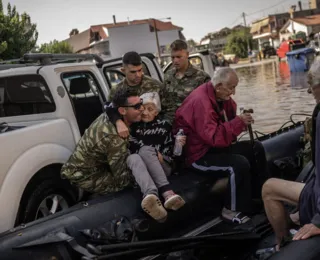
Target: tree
{"x":17,"y":34}
{"x":56,"y":47}
{"x":191,"y":44}
{"x":237,"y":43}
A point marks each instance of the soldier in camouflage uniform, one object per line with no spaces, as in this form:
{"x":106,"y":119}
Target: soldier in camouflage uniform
{"x":136,"y":80}
{"x":98,"y":164}
{"x":101,"y":161}
{"x":181,"y":80}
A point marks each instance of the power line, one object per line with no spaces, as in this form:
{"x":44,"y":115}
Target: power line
{"x":281,"y":2}
{"x":239,"y":17}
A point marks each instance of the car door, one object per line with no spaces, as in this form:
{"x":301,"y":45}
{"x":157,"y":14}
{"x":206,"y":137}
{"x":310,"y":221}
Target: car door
{"x":111,"y":69}
{"x":199,"y":60}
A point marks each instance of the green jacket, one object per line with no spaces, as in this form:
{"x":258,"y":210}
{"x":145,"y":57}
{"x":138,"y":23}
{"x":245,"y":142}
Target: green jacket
{"x":98,"y":164}
{"x":147,"y":85}
{"x":176,"y":90}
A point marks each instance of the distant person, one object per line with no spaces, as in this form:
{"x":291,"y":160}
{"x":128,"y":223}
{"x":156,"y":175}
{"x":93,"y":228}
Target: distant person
{"x":181,"y":79}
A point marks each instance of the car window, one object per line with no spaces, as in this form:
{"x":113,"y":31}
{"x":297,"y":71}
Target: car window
{"x":80,"y":84}
{"x":197,"y":62}
{"x":25,"y":95}
{"x":115,"y":75}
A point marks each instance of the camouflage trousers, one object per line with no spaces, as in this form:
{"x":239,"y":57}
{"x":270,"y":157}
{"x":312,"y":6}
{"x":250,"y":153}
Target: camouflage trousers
{"x":103,"y":183}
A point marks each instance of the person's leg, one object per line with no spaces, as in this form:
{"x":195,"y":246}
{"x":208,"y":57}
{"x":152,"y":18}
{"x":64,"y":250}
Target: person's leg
{"x":237,"y":169}
{"x":150,"y":203}
{"x":150,"y":158}
{"x":141,"y":175}
{"x":274,"y":193}
{"x":166,"y":167}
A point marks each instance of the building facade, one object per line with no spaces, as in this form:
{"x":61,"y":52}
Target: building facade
{"x":113,"y":40}
{"x":268,"y":28}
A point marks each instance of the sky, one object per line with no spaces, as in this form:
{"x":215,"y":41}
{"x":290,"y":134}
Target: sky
{"x":56,"y":18}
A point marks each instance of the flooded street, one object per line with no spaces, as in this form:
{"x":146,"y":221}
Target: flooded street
{"x":273,"y":94}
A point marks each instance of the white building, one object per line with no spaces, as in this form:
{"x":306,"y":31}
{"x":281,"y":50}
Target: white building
{"x":308,"y":25}
{"x":118,"y":38}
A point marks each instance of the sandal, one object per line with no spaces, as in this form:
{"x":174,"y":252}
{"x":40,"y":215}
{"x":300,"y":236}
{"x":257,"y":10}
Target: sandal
{"x":174,"y":202}
{"x":152,"y":205}
{"x":238,"y":219}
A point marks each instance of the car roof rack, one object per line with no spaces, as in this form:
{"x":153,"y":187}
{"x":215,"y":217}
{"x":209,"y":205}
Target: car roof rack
{"x":49,"y":58}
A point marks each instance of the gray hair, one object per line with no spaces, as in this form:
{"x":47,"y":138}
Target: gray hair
{"x":152,"y":97}
{"x":222,"y":75}
{"x":314,"y":73}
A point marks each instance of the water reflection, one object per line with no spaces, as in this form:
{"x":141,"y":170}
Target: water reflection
{"x":274,"y":94}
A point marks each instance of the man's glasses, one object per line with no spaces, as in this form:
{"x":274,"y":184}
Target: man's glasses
{"x":136,"y":106}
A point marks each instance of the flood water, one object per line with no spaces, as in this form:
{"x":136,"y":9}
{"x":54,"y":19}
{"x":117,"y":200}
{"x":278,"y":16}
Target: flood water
{"x":274,"y":94}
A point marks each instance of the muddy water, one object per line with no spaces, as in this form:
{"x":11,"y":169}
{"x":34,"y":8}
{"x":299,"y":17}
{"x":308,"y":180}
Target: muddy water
{"x":274,"y":94}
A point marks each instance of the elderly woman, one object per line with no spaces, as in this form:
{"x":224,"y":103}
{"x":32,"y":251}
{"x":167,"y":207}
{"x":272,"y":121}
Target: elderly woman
{"x":152,"y":140}
{"x":307,"y":195}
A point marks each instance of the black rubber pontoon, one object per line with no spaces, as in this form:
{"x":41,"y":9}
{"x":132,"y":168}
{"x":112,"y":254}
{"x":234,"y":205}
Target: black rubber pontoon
{"x":201,"y":206}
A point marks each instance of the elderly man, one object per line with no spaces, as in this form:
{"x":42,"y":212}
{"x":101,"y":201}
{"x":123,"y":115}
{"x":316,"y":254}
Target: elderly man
{"x":307,"y":195}
{"x":208,"y":117}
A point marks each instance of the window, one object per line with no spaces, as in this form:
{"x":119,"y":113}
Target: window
{"x":197,"y":62}
{"x":85,"y":96}
{"x":80,"y":84}
{"x":25,"y":95}
{"x":273,"y":25}
{"x":115,"y":75}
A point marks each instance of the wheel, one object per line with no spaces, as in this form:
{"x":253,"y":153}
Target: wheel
{"x":49,"y":197}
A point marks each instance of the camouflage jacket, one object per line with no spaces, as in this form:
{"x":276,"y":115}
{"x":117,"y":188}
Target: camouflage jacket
{"x":147,"y":85}
{"x":176,"y":90}
{"x":98,"y":164}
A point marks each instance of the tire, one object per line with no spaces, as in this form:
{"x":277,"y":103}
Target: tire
{"x":45,"y":193}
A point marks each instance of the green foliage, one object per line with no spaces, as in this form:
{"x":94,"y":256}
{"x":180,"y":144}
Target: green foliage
{"x":237,"y":43}
{"x":191,"y":44}
{"x":56,"y":47}
{"x":299,"y":35}
{"x":17,"y":34}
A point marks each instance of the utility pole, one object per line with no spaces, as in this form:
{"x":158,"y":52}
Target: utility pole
{"x":244,"y":19}
{"x":245,"y":25}
{"x":157,"y":38}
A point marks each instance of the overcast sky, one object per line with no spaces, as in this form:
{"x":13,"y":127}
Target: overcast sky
{"x":56,"y":18}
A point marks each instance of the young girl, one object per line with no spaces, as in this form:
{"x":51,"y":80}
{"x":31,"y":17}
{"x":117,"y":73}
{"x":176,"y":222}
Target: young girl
{"x":152,"y":140}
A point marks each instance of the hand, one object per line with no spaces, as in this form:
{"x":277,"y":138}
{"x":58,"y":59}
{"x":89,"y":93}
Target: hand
{"x":247,"y":118}
{"x":122,"y":129}
{"x":308,"y":230}
{"x":160,"y":157}
{"x":182,"y":140}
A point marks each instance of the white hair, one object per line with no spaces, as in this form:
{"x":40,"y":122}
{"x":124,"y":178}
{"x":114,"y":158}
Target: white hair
{"x":152,"y":97}
{"x":222,"y":75}
{"x":314,"y":73}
